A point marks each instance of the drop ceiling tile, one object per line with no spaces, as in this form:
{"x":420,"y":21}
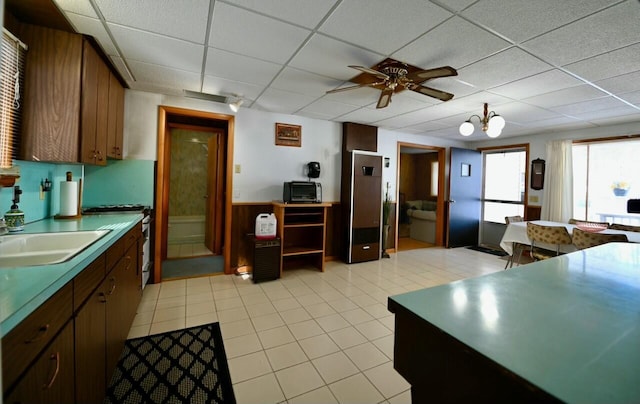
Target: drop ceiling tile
{"x":301,"y":82}
{"x":613,"y":28}
{"x":360,"y":23}
{"x":274,"y":41}
{"x":94,"y":28}
{"x":425,"y":127}
{"x":520,"y":112}
{"x":504,"y":67}
{"x":282,"y":101}
{"x":235,"y":67}
{"x":579,"y":108}
{"x":361,"y":115}
{"x":328,"y":57}
{"x":476,"y":102}
{"x":519,"y":20}
{"x":546,"y":82}
{"x":437,"y":111}
{"x":617,"y":120}
{"x":609,"y":64}
{"x":434,"y":48}
{"x":620,"y":110}
{"x":621,"y":84}
{"x":143,"y":46}
{"x":291,"y":10}
{"x":161,"y":76}
{"x":456,"y":5}
{"x":220,"y":86}
{"x":565,"y":96}
{"x":182,"y":19}
{"x":633,"y":97}
{"x":77,"y":7}
{"x":328,"y":108}
{"x":559,"y":120}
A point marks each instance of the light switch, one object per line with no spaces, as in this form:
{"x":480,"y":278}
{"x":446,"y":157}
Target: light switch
{"x":533,"y":198}
{"x":238,"y":168}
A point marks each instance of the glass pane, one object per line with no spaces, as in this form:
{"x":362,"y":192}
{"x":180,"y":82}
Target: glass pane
{"x":496,"y":211}
{"x":505,"y":176}
{"x":605,"y":177}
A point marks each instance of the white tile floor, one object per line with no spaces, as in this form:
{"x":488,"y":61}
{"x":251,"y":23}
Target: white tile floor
{"x":187,"y":250}
{"x":309,"y":337}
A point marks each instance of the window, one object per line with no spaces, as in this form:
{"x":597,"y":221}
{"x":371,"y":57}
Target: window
{"x":11,"y":83}
{"x":433,"y":191}
{"x":605,"y":176}
{"x":504,"y":184}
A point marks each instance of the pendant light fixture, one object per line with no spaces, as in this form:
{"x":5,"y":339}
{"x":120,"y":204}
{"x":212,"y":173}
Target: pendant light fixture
{"x":491,"y":122}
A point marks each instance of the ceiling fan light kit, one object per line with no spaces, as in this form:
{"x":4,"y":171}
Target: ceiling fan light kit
{"x":391,"y":76}
{"x":492,"y":124}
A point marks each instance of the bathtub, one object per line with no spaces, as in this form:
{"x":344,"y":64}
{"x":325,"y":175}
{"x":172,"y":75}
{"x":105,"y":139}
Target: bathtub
{"x":185,"y":229}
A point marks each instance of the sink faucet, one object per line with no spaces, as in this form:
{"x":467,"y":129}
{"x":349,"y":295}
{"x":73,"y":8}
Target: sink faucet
{"x":3,"y":226}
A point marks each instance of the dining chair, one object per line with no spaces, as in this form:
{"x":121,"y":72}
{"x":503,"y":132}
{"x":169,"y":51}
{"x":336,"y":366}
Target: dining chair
{"x":584,"y":239}
{"x":554,"y":235}
{"x":624,"y":227}
{"x":575,"y":221}
{"x":517,"y":247}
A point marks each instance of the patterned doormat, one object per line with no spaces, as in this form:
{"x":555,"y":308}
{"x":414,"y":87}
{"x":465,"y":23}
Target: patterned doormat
{"x":184,"y":366}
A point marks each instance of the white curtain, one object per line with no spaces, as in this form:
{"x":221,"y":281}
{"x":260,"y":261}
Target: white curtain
{"x":557,"y":204}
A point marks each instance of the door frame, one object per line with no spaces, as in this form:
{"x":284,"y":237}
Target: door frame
{"x":162,"y":186}
{"x":442,"y":153}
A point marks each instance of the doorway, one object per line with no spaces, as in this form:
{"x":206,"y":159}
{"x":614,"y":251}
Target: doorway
{"x":420,"y":201}
{"x":192,"y":198}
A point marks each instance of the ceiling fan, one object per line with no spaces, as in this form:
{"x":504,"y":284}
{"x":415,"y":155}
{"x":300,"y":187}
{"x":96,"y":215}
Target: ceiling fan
{"x":393,"y":76}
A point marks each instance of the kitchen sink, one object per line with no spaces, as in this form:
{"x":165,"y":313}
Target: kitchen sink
{"x":19,"y":250}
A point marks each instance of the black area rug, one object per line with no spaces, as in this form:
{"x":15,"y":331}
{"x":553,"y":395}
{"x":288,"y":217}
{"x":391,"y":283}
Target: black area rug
{"x":185,"y":366}
{"x":487,"y":250}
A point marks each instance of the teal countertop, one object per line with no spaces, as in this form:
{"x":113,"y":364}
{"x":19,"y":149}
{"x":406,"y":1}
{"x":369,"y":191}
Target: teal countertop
{"x":569,"y":325}
{"x":24,"y":289}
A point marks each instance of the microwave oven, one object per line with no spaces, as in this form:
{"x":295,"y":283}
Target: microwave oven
{"x":302,"y":192}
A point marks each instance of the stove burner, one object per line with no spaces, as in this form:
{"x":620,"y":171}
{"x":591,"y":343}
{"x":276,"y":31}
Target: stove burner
{"x":116,"y":208}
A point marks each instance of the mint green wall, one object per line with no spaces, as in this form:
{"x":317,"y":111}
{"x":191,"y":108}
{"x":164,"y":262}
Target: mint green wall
{"x":120,"y":181}
{"x":31,"y":175}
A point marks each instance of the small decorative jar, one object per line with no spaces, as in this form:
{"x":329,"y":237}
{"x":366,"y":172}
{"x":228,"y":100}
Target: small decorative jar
{"x":15,"y":220}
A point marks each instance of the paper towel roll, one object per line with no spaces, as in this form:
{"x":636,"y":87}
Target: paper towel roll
{"x":68,"y":198}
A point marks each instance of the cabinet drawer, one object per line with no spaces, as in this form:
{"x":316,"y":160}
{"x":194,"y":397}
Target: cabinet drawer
{"x":50,"y":378}
{"x":118,"y":249}
{"x":28,"y":338}
{"x":87,"y":281}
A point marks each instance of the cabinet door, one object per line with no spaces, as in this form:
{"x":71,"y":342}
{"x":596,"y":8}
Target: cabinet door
{"x":102,"y":112}
{"x":89,"y":119}
{"x":51,"y":99}
{"x":115,"y":336}
{"x":90,"y":347}
{"x":116,"y":118}
{"x":51,"y":378}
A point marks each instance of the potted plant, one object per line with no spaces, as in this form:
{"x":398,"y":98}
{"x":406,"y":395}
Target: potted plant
{"x":620,"y":188}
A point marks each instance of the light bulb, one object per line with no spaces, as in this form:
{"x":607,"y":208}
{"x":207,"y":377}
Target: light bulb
{"x":497,"y":121}
{"x":466,"y":128}
{"x":493,"y":131}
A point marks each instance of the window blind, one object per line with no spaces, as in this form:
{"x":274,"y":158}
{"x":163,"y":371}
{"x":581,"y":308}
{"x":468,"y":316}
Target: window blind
{"x":11,"y":85}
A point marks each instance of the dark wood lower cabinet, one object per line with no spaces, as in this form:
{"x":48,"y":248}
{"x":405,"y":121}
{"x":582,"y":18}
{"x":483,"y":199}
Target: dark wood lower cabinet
{"x":51,"y":378}
{"x":90,"y":345}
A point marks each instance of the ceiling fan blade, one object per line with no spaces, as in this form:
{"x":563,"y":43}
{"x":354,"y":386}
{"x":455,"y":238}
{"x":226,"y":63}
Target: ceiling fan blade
{"x":385,"y":98}
{"x":337,"y":90}
{"x":376,"y":73}
{"x":444,"y":71}
{"x":432,"y":92}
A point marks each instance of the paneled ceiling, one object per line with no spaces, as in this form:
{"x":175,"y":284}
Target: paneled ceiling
{"x":543,"y":65}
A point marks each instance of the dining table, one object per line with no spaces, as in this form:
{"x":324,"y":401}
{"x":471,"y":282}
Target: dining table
{"x":517,"y":233}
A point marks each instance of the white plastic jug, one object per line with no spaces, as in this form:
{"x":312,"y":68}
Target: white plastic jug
{"x":266,"y":226}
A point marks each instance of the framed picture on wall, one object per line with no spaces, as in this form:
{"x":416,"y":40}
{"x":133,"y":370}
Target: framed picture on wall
{"x":288,"y":135}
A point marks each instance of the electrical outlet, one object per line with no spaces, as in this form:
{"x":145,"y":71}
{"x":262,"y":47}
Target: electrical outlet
{"x":238,"y":168}
{"x":533,"y":198}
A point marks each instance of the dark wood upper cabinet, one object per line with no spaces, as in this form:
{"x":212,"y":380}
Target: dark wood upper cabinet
{"x":67,"y":101}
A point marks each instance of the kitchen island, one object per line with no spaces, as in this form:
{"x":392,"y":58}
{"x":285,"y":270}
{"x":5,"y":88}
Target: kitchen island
{"x":24,"y":289}
{"x":563,"y":329}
